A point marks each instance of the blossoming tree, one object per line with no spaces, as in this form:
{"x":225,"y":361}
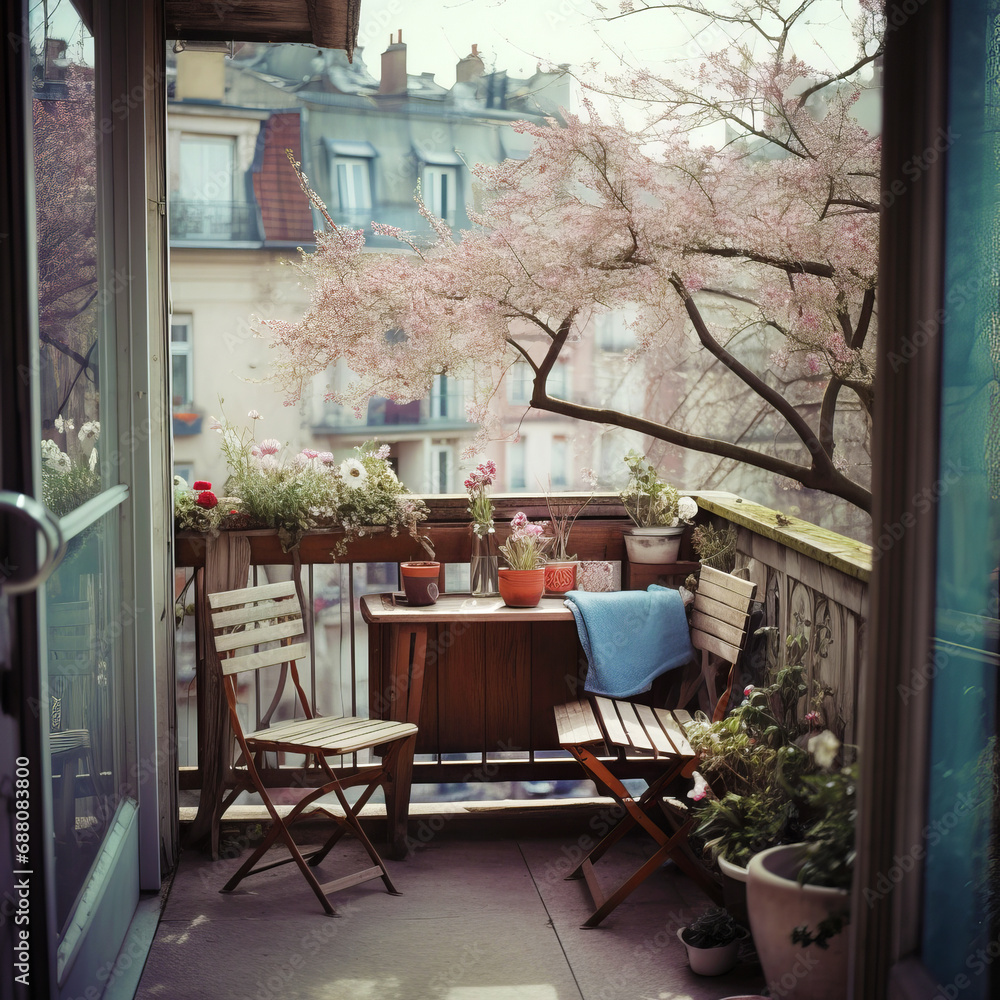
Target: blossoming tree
{"x":776,"y":231}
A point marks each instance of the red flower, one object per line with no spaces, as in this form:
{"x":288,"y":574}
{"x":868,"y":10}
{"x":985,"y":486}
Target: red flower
{"x":207,"y":499}
{"x":201,"y":485}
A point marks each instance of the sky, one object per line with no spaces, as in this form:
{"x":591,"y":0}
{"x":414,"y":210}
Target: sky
{"x":518,"y":34}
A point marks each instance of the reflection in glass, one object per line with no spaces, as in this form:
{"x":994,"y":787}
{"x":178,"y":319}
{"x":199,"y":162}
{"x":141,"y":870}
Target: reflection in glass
{"x":84,"y":619}
{"x":65,"y":154}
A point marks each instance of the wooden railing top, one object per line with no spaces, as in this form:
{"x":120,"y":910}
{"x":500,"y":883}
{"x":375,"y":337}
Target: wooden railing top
{"x":825,"y":546}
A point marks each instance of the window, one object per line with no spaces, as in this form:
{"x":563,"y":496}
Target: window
{"x":558,"y":381}
{"x":205,"y":193}
{"x":558,"y":463}
{"x":206,"y":168}
{"x":353,"y":183}
{"x":181,"y":373}
{"x":517,"y":464}
{"x":519,"y":384}
{"x":613,"y":332}
{"x":444,"y":398}
{"x":441,"y":468}
{"x":440,"y":191}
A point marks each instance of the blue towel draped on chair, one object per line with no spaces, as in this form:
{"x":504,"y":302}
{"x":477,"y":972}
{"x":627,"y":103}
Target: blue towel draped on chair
{"x":630,"y":637}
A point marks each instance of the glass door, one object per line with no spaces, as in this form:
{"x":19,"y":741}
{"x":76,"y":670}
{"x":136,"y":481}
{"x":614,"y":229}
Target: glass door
{"x":70,"y":426}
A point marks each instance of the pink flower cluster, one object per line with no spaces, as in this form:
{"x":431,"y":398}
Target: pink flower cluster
{"x":521,"y":527}
{"x":482,"y":477}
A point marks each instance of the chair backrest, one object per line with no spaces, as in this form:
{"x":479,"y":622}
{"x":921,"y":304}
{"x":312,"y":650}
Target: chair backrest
{"x":721,"y":613}
{"x":254,"y":616}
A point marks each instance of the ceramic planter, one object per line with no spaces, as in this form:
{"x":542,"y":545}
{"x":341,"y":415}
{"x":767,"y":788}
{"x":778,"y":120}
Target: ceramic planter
{"x":712,"y":961}
{"x":734,"y":889}
{"x":777,"y":904}
{"x":560,"y":577}
{"x":420,"y":581}
{"x":654,"y":545}
{"x":522,"y":588}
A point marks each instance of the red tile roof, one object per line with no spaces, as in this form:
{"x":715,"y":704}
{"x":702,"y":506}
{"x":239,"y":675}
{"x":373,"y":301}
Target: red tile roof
{"x":284,"y":207}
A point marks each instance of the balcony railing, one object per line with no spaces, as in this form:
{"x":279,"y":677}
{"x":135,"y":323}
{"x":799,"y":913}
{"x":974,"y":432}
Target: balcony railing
{"x":438,"y":411}
{"x":810,"y":580}
{"x":213,"y":222}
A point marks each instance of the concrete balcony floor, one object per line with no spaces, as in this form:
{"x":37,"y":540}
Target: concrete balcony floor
{"x":484,"y":915}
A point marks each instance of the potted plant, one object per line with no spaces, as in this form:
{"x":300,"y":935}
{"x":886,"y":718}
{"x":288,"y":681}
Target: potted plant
{"x":712,"y":942}
{"x":755,"y":761}
{"x":420,"y":581}
{"x":522,"y":581}
{"x":560,"y":569}
{"x":658,"y":512}
{"x":798,"y":895}
{"x":483,"y":559}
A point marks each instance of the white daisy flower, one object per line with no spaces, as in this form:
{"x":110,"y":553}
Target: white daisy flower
{"x":90,"y":430}
{"x":353,"y":472}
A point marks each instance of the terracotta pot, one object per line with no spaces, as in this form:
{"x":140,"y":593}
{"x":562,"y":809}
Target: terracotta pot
{"x":712,"y":961}
{"x":777,"y":904}
{"x":522,"y":588}
{"x":654,"y":545}
{"x":560,"y":577}
{"x":420,"y":581}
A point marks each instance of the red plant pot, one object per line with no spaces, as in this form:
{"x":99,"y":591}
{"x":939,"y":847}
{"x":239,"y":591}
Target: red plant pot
{"x":522,"y":588}
{"x":420,"y":581}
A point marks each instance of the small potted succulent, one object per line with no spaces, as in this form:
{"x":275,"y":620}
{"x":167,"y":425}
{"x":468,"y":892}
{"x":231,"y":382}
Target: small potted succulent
{"x":712,"y":942}
{"x":658,"y":512}
{"x":522,"y":581}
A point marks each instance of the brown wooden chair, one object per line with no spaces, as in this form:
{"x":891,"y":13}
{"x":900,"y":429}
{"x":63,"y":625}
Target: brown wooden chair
{"x":610,"y":736}
{"x":243,"y":621}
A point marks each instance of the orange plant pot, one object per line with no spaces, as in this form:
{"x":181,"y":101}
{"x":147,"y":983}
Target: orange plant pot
{"x":560,"y":577}
{"x":522,"y":588}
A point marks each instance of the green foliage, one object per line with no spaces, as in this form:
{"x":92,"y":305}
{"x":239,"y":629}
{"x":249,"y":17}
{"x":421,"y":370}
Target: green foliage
{"x":716,"y":547}
{"x":771,"y":787}
{"x":63,"y":491}
{"x":713,"y":929}
{"x":648,"y":500}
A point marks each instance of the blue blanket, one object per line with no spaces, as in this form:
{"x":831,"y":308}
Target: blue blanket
{"x":630,"y":637}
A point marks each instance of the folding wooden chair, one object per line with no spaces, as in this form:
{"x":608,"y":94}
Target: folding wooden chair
{"x":242,"y":622}
{"x":608,"y":735}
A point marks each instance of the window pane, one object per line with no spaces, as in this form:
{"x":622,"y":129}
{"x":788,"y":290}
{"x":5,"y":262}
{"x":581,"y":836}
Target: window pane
{"x":69,"y":306}
{"x":84,"y":704}
{"x":961,"y":909}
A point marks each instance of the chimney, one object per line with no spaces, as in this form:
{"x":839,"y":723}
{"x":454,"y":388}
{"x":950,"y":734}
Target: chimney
{"x":470,"y":67}
{"x":394,"y":67}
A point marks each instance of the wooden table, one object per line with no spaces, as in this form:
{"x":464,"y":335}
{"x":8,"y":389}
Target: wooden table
{"x":472,"y":673}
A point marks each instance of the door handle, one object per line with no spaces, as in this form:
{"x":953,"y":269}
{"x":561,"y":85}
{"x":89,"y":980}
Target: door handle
{"x":38,"y":517}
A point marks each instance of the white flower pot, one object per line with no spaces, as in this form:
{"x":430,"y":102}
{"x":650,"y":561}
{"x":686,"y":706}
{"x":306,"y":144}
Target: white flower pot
{"x":654,"y":545}
{"x":712,"y":961}
{"x":777,"y":904}
{"x":734,"y":889}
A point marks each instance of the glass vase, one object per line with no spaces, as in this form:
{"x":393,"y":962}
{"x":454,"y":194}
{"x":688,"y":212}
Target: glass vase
{"x":484,"y":565}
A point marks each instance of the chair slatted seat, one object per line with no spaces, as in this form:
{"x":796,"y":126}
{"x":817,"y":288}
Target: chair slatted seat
{"x":607,"y":734}
{"x":270,"y":615}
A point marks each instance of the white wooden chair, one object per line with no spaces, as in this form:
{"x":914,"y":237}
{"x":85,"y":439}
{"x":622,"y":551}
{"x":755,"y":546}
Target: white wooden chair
{"x":611,"y":736}
{"x":243,"y":621}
